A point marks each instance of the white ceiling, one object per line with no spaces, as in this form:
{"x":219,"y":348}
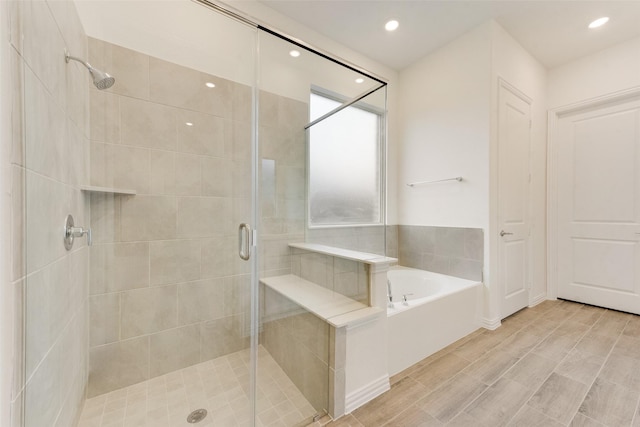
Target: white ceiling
{"x":553,"y":31}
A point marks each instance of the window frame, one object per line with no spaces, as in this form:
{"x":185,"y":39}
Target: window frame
{"x":381,"y":159}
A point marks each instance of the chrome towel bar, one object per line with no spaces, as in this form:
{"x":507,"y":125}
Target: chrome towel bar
{"x":413,"y":184}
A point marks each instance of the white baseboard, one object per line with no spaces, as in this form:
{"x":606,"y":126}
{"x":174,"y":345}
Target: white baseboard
{"x":359,"y":397}
{"x":490,"y":324}
{"x":537,"y":300}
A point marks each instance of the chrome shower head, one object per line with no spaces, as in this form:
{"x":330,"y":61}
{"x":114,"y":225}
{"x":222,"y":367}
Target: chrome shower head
{"x":101,"y":80}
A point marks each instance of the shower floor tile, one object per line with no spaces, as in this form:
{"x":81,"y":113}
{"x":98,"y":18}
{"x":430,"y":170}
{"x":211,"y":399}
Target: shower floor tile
{"x":220,"y":386}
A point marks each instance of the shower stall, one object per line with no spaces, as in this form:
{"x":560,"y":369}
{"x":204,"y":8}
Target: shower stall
{"x":204,"y":178}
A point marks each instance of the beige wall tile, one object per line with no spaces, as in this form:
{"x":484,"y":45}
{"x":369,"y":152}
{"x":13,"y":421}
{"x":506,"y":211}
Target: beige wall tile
{"x":104,"y":319}
{"x":218,"y":255}
{"x":46,"y":143}
{"x":118,"y":365}
{"x":172,"y":84}
{"x":201,"y":300}
{"x":223,"y":336}
{"x":216,"y":178}
{"x":237,"y":295}
{"x":18,"y":350}
{"x":146,"y":124}
{"x":238,"y":141}
{"x":119,"y":267}
{"x":188,"y":177}
{"x":105,"y":116}
{"x":105,"y":217}
{"x":203,"y":217}
{"x":242,"y":99}
{"x":318,"y":269}
{"x":163,"y":172}
{"x":148,"y":218}
{"x":174,"y":349}
{"x":119,"y":166}
{"x":15,"y":8}
{"x":17,"y":101}
{"x":42,"y":48}
{"x":130,"y":68}
{"x":174,"y":261}
{"x":206,"y":136}
{"x":78,"y":156}
{"x":42,"y":394}
{"x":47,"y":204}
{"x":77,"y":88}
{"x":145,"y":311}
{"x":18,"y":219}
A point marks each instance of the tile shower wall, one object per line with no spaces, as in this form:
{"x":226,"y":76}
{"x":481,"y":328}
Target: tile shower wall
{"x":299,"y":342}
{"x":168,"y":289}
{"x":50,"y":116}
{"x":363,"y":239}
{"x":349,"y":278}
{"x":447,"y":250}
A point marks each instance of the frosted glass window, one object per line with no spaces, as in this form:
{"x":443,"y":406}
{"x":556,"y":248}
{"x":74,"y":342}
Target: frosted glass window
{"x":344,"y":165}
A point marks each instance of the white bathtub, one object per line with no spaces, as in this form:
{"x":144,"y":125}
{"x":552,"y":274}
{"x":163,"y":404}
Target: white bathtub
{"x":440,"y":310}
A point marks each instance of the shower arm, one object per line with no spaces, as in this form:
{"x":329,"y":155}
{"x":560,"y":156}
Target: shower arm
{"x":68,"y":57}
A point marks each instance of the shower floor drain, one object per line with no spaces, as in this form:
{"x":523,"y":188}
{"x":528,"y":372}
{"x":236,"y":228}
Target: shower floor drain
{"x":197,"y":416}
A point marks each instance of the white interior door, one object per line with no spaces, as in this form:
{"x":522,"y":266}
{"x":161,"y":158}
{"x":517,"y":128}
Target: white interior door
{"x":514,"y":128}
{"x":599,"y":206}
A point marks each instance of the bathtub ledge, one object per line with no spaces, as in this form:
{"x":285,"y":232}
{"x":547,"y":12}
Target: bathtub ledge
{"x":364,"y":257}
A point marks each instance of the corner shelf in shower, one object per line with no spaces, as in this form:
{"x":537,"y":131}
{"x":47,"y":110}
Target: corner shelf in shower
{"x":108,"y":190}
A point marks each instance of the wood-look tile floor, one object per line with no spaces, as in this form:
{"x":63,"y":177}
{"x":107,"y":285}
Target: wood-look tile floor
{"x":557,"y":364}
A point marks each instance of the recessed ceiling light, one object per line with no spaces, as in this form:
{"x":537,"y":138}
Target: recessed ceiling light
{"x":359,"y":80}
{"x":189,"y":124}
{"x":599,"y":22}
{"x":294,"y":53}
{"x":209,"y":84}
{"x":391,"y":25}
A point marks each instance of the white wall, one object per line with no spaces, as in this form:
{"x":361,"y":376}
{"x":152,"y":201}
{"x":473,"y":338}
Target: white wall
{"x":512,"y":63}
{"x":611,"y":70}
{"x":448,"y":120}
{"x":444,"y":130}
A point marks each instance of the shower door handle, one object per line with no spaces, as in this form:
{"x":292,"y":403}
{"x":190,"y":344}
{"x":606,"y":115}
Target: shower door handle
{"x":244,"y":241}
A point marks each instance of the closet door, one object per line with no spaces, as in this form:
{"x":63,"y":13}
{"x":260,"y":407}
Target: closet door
{"x":514,"y":127}
{"x":599,"y":206}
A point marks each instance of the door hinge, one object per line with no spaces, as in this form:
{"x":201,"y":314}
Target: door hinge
{"x":530,"y":124}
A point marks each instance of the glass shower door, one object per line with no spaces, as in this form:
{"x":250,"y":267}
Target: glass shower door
{"x":295,"y":373}
{"x":152,"y":321}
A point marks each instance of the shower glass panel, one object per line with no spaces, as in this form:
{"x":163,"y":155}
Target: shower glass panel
{"x":156,"y":313}
{"x":297,"y":338}
{"x":159,"y":316}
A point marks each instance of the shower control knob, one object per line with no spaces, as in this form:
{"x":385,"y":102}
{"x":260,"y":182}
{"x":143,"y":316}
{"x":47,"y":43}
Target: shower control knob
{"x":71,"y":232}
